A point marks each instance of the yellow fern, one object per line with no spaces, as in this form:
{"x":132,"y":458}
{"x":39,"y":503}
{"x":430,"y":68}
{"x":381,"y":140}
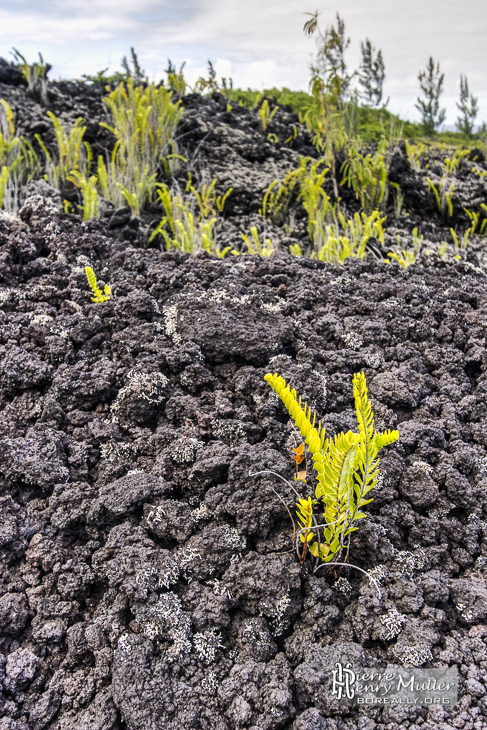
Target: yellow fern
{"x":99,"y":296}
{"x":346,"y":466}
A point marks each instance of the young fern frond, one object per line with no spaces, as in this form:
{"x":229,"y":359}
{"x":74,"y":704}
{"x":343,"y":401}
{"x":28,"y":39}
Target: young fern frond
{"x":305,"y":516}
{"x":301,"y":415}
{"x":99,"y":296}
{"x":346,"y":466}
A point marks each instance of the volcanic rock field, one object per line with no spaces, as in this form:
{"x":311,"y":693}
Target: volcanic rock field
{"x":148,"y":581}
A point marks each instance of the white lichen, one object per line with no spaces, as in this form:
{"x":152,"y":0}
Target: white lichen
{"x":227,"y":431}
{"x":210,"y":684}
{"x":165,"y":619}
{"x":155,"y":515}
{"x":185,"y":449}
{"x":147,"y":386}
{"x":276,"y":613}
{"x":414,"y":655}
{"x":322,"y":380}
{"x":206,"y":644}
{"x":439,"y":512}
{"x":422,"y":466}
{"x":372,"y":360}
{"x":278,"y":306}
{"x":171,"y":320}
{"x":112,"y":450}
{"x":256,"y":634}
{"x":411,"y":561}
{"x":170,"y":576}
{"x":344,"y":586}
{"x":466,"y":613}
{"x":352,"y":340}
{"x":185,"y":557}
{"x":123,"y":647}
{"x":40,"y":318}
{"x":220,"y":296}
{"x":392,"y":622}
{"x":200,"y":513}
{"x":232,"y":539}
{"x":219,"y":588}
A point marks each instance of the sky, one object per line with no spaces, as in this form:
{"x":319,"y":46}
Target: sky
{"x":258,"y":43}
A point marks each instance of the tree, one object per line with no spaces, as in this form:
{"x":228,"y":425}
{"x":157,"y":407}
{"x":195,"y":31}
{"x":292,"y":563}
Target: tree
{"x":137,"y":74}
{"x":331,"y":64}
{"x":372,"y":75}
{"x":468,"y":107}
{"x":431,"y":83}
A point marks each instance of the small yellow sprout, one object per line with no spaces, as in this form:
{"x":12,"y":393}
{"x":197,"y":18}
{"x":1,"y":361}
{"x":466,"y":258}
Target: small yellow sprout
{"x":99,"y":296}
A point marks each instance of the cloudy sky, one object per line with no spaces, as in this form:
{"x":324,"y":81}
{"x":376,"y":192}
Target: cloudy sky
{"x":258,"y":43}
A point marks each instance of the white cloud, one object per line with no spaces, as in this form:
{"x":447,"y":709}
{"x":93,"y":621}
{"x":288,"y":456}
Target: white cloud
{"x":33,"y":29}
{"x":258,"y":75}
{"x":257,"y":44}
{"x":223,"y":69}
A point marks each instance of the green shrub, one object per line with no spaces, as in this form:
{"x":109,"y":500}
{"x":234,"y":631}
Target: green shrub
{"x":36,"y":76}
{"x":18,"y":161}
{"x":144,"y":121}
{"x":184,"y":229}
{"x":72,"y":153}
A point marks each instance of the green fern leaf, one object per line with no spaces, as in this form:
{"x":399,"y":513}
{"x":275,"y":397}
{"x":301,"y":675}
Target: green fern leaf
{"x":346,"y":465}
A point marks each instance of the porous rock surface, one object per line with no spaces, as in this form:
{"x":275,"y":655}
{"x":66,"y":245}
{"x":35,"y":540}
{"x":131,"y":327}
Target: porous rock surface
{"x":147,"y":579}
